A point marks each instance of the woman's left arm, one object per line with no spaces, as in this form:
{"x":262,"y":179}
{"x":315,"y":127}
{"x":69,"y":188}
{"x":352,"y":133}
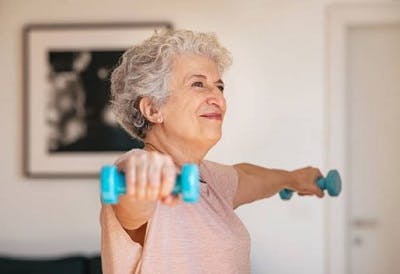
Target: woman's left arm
{"x":256,"y":182}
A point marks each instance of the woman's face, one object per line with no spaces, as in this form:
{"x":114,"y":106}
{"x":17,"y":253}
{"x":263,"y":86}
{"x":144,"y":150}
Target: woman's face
{"x":196,"y":107}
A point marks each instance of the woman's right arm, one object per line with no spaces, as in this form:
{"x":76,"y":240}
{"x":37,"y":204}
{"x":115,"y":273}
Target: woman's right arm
{"x":149,"y":176}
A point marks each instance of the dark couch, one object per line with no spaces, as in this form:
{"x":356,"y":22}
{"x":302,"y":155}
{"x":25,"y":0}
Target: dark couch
{"x":67,"y":265}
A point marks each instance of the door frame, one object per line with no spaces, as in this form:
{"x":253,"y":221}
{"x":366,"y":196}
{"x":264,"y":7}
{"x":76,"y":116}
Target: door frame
{"x":339,"y":18}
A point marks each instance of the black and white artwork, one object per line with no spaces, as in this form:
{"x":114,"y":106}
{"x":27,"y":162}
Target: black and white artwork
{"x":69,"y":128}
{"x":78,"y":109}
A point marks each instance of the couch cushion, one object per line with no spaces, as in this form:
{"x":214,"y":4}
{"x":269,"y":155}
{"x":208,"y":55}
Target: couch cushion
{"x":94,"y":265}
{"x":70,"y":265}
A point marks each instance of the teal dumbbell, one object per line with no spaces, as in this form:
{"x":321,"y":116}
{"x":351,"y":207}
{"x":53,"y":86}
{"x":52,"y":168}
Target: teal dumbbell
{"x":112,"y":184}
{"x":332,"y":183}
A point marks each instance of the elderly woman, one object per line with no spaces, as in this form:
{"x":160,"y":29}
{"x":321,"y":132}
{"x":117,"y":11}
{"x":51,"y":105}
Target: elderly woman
{"x":168,"y":91}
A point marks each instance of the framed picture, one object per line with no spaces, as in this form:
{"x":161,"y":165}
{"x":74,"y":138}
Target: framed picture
{"x":69,"y":129}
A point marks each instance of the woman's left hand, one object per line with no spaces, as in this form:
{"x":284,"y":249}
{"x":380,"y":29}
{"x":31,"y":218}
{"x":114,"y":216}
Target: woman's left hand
{"x":304,"y":181}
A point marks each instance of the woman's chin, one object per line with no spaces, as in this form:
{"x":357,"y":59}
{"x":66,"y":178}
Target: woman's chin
{"x":213,"y":136}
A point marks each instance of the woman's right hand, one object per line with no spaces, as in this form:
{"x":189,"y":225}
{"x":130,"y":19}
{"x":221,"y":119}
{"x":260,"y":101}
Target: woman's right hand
{"x":149,"y":176}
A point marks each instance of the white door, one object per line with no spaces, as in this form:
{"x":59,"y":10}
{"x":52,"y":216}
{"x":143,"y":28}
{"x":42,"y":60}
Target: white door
{"x":373,"y":111}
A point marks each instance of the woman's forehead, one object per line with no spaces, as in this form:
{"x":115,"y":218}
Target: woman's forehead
{"x":191,"y":65}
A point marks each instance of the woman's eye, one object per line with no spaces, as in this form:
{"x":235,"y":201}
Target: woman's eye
{"x":221,"y":88}
{"x":198,"y":84}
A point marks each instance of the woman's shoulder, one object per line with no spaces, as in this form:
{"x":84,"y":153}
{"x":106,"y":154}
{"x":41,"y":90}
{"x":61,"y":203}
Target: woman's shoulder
{"x":212,"y":169}
{"x":215,"y":166}
{"x":223,"y":177}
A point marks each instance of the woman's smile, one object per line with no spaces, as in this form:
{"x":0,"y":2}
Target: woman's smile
{"x":212,"y":116}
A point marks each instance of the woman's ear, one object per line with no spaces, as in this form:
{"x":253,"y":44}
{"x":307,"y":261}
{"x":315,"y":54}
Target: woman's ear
{"x":150,"y":110}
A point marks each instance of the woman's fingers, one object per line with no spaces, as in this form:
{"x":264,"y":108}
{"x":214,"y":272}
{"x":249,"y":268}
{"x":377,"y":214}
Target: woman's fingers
{"x":168,"y":177}
{"x":154,"y":176}
{"x":318,"y":175}
{"x":129,"y":168}
{"x":141,"y":176}
{"x":306,"y":181}
{"x":320,"y":193}
{"x":149,"y":176}
{"x":304,"y":194}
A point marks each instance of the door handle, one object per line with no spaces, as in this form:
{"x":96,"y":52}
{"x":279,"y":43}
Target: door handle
{"x":364,"y":223}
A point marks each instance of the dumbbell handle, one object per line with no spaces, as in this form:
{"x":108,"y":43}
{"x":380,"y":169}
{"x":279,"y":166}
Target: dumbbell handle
{"x":332,"y":183}
{"x":112,"y":184}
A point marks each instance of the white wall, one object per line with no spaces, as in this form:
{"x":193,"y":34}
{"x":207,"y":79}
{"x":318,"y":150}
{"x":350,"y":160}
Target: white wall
{"x":275,"y":118}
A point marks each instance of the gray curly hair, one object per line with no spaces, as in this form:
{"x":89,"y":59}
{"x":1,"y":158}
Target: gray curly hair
{"x":144,"y":71}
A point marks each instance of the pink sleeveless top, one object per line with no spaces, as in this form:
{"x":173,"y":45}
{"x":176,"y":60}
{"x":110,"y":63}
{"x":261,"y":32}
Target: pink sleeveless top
{"x":206,"y":237}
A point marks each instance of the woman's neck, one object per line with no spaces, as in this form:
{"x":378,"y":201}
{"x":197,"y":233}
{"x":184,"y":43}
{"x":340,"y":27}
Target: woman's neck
{"x":180,"y":152}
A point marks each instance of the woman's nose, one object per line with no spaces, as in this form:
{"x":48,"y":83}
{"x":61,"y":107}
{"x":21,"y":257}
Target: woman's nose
{"x":216,"y":97}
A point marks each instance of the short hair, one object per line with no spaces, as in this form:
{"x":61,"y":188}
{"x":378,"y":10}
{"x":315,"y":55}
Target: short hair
{"x":144,"y":70}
